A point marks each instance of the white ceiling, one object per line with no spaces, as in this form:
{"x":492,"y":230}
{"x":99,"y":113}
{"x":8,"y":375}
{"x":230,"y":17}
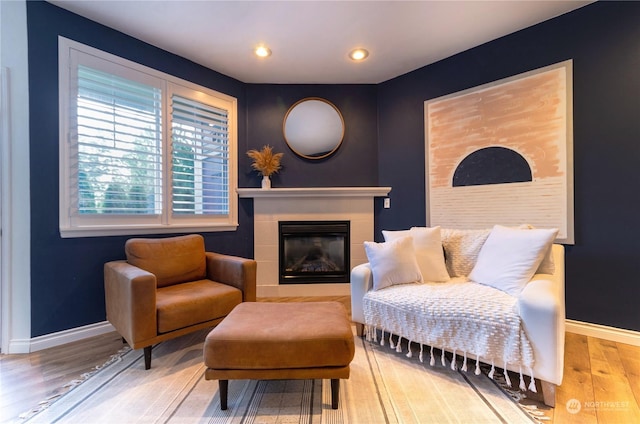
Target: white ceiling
{"x":310,"y":40}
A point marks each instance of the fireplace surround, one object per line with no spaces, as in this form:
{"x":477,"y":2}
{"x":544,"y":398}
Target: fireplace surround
{"x":353,"y":204}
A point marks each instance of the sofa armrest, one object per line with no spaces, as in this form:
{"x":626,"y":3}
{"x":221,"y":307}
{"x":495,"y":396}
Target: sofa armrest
{"x":542,"y":310}
{"x":361,"y":283}
{"x":130,"y":300}
{"x":233,"y":271}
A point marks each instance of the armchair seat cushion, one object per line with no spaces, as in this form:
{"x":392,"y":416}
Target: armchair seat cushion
{"x":183,"y":305}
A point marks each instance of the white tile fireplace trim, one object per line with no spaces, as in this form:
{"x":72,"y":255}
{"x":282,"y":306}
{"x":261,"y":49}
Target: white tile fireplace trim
{"x":354,"y":204}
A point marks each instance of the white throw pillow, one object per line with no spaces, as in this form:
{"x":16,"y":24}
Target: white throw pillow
{"x":511,"y":256}
{"x":548,"y":266}
{"x":393,"y":262}
{"x":428,"y":248}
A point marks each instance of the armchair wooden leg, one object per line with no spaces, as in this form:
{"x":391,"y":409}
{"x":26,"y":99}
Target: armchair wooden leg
{"x":147,"y":357}
{"x":335,"y":392}
{"x":224,"y":390}
{"x":548,"y":393}
{"x":359,"y":329}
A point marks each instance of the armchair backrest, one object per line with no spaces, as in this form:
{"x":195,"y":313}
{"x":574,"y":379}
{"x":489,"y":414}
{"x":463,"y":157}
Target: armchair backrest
{"x":172,"y":260}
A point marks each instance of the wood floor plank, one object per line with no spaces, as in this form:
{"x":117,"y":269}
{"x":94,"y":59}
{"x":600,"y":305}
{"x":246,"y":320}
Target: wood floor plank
{"x":630,"y":356}
{"x":614,"y":399}
{"x":577,"y":387}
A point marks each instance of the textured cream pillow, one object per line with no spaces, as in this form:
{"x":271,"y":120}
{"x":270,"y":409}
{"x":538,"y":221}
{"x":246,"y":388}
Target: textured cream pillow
{"x":548,"y":266}
{"x":393,"y":262}
{"x":462,"y":248}
{"x":510,"y":257}
{"x":428,"y":247}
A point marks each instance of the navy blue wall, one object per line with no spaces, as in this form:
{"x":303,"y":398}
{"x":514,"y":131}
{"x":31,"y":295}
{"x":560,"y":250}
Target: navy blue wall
{"x":353,"y":164}
{"x":603,"y":39}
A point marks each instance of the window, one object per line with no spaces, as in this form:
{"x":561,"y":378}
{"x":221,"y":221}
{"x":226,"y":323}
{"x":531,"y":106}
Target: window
{"x":141,"y":151}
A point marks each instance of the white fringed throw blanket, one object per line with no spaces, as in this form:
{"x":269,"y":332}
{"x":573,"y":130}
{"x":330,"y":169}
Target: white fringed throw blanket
{"x":459,"y":316}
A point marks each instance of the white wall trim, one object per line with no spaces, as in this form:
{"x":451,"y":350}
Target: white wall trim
{"x":71,"y":335}
{"x":613,"y":334}
{"x":5,"y":201}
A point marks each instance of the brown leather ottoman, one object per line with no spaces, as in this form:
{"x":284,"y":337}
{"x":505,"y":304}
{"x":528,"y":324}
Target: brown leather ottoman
{"x":281,"y":341}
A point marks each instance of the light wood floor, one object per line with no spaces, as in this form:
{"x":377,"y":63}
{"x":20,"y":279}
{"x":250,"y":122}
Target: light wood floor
{"x":601,"y":377}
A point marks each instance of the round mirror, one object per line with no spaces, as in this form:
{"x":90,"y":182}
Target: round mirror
{"x":313,"y":128}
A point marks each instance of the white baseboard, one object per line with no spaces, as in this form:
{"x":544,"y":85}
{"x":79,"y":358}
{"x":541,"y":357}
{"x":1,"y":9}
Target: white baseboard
{"x":71,"y":335}
{"x":613,"y":334}
{"x":18,"y":346}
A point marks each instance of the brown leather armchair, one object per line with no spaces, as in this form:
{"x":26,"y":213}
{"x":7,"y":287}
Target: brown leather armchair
{"x":170,"y":287}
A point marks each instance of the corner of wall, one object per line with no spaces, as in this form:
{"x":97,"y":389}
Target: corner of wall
{"x":15,"y":274}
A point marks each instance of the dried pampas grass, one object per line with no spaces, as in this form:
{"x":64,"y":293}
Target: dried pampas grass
{"x":265,"y":161}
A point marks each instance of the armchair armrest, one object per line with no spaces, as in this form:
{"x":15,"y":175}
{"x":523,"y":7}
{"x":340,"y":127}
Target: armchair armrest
{"x":233,"y":271}
{"x":361,"y":283}
{"x":130,"y":298}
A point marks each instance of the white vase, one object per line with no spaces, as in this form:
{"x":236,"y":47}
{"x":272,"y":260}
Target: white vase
{"x":266,"y":182}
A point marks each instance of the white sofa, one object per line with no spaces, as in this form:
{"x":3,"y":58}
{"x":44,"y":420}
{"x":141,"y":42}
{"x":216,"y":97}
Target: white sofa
{"x":539,"y":308}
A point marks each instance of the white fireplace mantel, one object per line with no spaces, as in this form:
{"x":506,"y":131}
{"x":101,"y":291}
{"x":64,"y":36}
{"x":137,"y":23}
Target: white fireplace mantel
{"x":353,"y":204}
{"x":315,"y":192}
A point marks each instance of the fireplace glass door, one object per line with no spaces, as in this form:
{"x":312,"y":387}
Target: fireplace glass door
{"x":314,"y":252}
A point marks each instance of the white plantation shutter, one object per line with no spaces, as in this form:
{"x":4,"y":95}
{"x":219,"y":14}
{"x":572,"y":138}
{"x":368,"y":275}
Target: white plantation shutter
{"x":200,"y":158}
{"x":119,"y":146}
{"x":142,"y":152}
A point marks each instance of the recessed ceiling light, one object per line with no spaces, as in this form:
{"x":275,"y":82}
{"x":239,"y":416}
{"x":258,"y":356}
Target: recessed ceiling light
{"x":262,"y":51}
{"x":358,"y":54}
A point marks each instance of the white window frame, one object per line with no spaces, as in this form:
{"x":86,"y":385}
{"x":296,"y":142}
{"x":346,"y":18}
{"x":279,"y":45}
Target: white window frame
{"x":108,"y":225}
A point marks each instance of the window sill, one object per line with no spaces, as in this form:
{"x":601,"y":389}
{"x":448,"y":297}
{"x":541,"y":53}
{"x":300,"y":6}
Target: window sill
{"x":142,"y":230}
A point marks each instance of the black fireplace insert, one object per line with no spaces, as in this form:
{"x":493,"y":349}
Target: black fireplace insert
{"x":314,"y":252}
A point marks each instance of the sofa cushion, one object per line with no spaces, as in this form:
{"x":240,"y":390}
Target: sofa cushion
{"x":172,"y":260}
{"x":428,"y":248}
{"x":462,"y":248}
{"x":510,"y":257}
{"x":458,"y":316}
{"x":393,"y":262}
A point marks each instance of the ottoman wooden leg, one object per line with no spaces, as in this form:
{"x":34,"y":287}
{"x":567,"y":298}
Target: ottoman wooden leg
{"x":335,"y":392}
{"x":224,"y":390}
